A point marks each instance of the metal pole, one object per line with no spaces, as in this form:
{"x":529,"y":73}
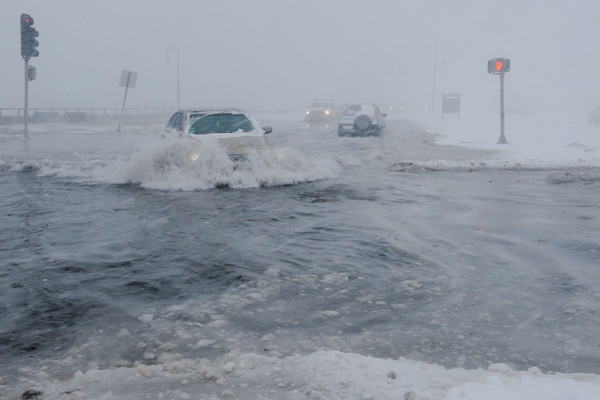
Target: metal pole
{"x":26,"y":97}
{"x":175,"y":47}
{"x":178,"y":78}
{"x":502,"y":139}
{"x":434,"y":74}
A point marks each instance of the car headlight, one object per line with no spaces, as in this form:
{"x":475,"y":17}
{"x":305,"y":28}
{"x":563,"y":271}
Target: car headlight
{"x":327,"y":112}
{"x":307,"y":112}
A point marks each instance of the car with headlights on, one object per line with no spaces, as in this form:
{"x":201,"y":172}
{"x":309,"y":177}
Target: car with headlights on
{"x":320,"y":111}
{"x":233,"y":129}
{"x":361,"y":120}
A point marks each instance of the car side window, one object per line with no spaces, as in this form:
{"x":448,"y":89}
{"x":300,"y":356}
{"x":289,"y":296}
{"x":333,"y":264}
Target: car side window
{"x":221,"y":123}
{"x":176,"y":122}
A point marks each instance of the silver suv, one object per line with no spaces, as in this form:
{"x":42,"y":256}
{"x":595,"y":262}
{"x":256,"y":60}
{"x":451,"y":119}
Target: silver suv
{"x":361,"y":120}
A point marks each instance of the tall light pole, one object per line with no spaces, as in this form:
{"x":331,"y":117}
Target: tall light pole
{"x":434,"y":73}
{"x":169,"y":49}
{"x":435,"y":56}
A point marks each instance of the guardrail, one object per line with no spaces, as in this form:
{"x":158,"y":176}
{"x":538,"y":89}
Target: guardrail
{"x":79,"y":114}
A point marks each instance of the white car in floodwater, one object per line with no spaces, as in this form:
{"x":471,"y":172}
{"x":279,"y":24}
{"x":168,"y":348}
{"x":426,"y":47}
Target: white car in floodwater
{"x":361,"y":120}
{"x":233,"y":129}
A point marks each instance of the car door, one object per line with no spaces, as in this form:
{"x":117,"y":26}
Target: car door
{"x":176,"y":122}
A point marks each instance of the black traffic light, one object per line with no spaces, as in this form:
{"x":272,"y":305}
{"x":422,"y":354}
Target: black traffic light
{"x":28,"y":38}
{"x":498,"y":65}
{"x":31,"y":72}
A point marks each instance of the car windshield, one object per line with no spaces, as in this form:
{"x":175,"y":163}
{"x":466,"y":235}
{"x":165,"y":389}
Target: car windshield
{"x":220,"y":123}
{"x":320,"y":105}
{"x":351,"y":110}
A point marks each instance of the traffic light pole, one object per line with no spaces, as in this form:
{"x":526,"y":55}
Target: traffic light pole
{"x":502,"y":139}
{"x":25,"y":113}
{"x":499,"y":66}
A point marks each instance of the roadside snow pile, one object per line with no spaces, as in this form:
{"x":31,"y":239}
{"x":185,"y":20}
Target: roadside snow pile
{"x":327,"y":375}
{"x":337,"y":375}
{"x":532,"y":139}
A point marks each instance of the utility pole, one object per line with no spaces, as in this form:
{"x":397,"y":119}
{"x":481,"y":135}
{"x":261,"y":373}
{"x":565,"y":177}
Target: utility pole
{"x":169,"y":49}
{"x":434,"y":76}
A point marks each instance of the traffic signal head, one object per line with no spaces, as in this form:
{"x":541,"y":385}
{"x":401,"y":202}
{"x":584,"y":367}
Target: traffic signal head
{"x":26,"y":20}
{"x":498,"y":65}
{"x":28,"y":37}
{"x":31,"y":72}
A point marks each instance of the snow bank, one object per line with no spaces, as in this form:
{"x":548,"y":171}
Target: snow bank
{"x":322,"y":375}
{"x":532,"y":139}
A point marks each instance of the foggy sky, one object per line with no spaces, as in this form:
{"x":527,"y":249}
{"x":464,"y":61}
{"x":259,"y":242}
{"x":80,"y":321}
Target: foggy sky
{"x":276,"y":55}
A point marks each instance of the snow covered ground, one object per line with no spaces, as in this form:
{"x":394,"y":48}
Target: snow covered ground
{"x":532,"y":139}
{"x":322,"y":375}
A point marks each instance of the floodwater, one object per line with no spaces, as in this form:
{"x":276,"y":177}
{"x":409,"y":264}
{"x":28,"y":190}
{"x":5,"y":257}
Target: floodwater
{"x":116,"y":253}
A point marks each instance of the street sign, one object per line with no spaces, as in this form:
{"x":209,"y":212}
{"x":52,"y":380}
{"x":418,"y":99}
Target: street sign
{"x":451,"y":104}
{"x":128,"y":79}
{"x":498,"y":65}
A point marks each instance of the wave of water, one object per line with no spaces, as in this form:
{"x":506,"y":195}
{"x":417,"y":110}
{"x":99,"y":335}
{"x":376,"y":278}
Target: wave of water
{"x":174,"y":164}
{"x":177,"y":165}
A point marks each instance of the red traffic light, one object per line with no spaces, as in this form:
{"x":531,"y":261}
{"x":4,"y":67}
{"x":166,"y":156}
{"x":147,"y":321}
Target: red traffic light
{"x":28,"y":35}
{"x":498,"y":65}
{"x":26,"y":19}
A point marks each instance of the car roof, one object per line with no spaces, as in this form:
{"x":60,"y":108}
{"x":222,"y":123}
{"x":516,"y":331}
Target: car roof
{"x":361,"y":105}
{"x":206,"y":110}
